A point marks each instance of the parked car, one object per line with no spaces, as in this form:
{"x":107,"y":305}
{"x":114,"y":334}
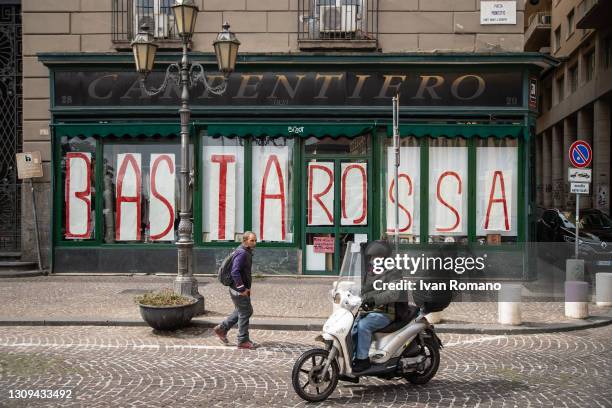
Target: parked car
{"x":594,"y":241}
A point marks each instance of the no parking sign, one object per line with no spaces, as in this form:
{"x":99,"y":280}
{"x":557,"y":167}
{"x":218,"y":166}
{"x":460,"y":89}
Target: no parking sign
{"x":580,"y":154}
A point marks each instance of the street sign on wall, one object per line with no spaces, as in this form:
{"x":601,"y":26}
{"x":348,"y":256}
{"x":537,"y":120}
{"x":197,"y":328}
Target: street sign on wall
{"x":580,"y":154}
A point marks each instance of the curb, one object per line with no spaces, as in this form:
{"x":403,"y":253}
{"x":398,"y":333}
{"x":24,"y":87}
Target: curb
{"x":292,"y":325}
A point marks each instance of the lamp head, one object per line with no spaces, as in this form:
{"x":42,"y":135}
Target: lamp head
{"x":144,"y":50}
{"x":226,"y":48}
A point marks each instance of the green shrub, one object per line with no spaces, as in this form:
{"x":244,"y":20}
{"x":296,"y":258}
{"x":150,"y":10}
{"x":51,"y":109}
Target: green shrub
{"x":165,"y":297}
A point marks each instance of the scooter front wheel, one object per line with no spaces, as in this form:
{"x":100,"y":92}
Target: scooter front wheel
{"x":308,"y":379}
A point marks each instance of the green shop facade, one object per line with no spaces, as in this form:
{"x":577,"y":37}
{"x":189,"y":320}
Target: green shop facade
{"x":298,"y":150}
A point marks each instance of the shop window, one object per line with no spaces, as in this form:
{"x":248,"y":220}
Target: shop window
{"x":560,"y":83}
{"x":223,"y":189}
{"x":496,"y":190}
{"x":141,"y":192}
{"x":448,"y":192}
{"x":78,"y":181}
{"x":557,"y":38}
{"x":409,"y":185}
{"x":357,"y":146}
{"x":607,"y":53}
{"x":571,"y":27}
{"x":272,"y":187}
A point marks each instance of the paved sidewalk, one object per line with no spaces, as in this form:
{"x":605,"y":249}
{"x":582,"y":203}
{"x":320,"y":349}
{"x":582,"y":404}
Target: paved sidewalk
{"x":279,"y":302}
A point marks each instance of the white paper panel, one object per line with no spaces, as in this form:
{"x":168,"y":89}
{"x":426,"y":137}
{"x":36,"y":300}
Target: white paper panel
{"x":270,"y":192}
{"x":224,"y":192}
{"x":320,"y":199}
{"x":496,"y":164}
{"x":354,"y":194}
{"x":128,"y":197}
{"x":448,"y":190}
{"x":162,"y":212}
{"x":409,"y":190}
{"x":78,"y":195}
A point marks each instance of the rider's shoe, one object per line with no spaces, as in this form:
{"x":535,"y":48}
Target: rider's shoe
{"x":361,"y":364}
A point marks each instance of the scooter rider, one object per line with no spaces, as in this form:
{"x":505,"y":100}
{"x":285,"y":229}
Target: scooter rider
{"x":378,"y":308}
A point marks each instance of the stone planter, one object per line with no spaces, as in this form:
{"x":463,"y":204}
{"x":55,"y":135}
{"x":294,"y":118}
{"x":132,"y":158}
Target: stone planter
{"x":168,"y":317}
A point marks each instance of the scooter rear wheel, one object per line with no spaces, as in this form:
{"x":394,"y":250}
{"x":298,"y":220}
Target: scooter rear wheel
{"x":306,"y":376}
{"x":432,"y":355}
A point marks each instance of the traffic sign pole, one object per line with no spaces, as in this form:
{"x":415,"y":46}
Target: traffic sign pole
{"x":577,"y":218}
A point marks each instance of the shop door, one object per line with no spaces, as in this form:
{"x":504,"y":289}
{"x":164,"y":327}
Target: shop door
{"x":337,"y":207}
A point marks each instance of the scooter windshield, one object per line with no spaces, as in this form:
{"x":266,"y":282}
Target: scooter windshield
{"x":350,"y":271}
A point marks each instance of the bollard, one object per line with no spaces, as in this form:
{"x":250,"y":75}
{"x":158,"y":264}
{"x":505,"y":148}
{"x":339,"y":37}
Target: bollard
{"x":574,"y":269}
{"x":603,"y":289}
{"x":577,"y":299}
{"x":509,"y":304}
{"x":434,"y":317}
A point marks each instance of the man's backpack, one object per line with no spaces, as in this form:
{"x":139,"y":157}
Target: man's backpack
{"x":225,"y":270}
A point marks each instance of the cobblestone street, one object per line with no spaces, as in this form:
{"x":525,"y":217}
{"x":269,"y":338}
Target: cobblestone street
{"x":136,"y":367}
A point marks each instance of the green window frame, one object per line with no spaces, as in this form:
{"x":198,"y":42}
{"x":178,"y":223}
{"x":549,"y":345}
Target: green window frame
{"x":450,"y":130}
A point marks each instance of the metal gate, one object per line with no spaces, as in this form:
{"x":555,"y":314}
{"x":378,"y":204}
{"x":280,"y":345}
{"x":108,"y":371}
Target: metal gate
{"x":10,"y":127}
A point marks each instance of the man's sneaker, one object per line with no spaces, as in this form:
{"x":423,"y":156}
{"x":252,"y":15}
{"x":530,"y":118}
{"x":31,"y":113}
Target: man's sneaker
{"x":361,"y":365}
{"x":221,"y":334}
{"x":247,"y":345}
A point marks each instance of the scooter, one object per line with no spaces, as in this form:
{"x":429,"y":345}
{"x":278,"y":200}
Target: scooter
{"x":405,"y":349}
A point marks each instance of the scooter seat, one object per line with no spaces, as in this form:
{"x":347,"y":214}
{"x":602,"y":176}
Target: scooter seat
{"x":393,"y":327}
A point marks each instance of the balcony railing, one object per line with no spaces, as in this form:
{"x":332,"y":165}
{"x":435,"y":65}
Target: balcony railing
{"x":129,"y":15}
{"x":537,"y":34}
{"x":351,"y":24}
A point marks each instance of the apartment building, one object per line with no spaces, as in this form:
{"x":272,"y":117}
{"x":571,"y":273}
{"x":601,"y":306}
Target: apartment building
{"x":574,"y":98}
{"x":305,"y":124}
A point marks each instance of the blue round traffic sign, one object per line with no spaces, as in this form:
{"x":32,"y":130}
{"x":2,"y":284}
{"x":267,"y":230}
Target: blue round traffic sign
{"x":580,"y":154}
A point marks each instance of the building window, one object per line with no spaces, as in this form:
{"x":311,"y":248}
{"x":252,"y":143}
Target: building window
{"x":128,"y":16}
{"x":589,"y":65}
{"x":558,"y":38}
{"x":607,"y":53}
{"x":573,"y":78}
{"x":141,"y":198}
{"x":560,"y":88}
{"x":78,"y":181}
{"x":496,"y":190}
{"x":448,"y":193}
{"x":571,"y":27}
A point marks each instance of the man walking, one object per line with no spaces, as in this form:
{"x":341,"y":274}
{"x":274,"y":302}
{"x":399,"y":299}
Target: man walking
{"x":240,"y":292}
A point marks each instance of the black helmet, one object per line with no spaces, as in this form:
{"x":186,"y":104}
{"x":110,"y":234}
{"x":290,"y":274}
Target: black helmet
{"x":378,"y":249}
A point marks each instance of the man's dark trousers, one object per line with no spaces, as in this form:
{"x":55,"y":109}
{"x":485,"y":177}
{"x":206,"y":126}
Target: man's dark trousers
{"x":241,"y":314}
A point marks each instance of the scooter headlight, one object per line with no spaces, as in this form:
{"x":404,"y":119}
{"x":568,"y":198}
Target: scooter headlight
{"x":337,"y":298}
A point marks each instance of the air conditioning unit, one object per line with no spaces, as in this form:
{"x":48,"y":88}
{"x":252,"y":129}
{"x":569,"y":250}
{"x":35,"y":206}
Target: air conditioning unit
{"x":338,"y":18}
{"x":545,"y":19}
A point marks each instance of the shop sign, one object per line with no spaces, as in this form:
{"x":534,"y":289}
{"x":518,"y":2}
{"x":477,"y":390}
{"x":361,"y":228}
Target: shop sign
{"x":343,"y":88}
{"x":324,"y":245}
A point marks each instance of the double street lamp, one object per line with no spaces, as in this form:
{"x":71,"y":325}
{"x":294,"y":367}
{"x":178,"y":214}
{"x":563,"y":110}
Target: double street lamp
{"x":186,"y":75}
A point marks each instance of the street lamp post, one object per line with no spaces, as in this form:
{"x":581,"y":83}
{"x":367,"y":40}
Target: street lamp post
{"x":186,"y":75}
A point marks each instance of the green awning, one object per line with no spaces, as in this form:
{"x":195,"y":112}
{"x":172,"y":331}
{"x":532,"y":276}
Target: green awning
{"x":117,"y":129}
{"x":457,"y":130}
{"x":289,"y":129}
